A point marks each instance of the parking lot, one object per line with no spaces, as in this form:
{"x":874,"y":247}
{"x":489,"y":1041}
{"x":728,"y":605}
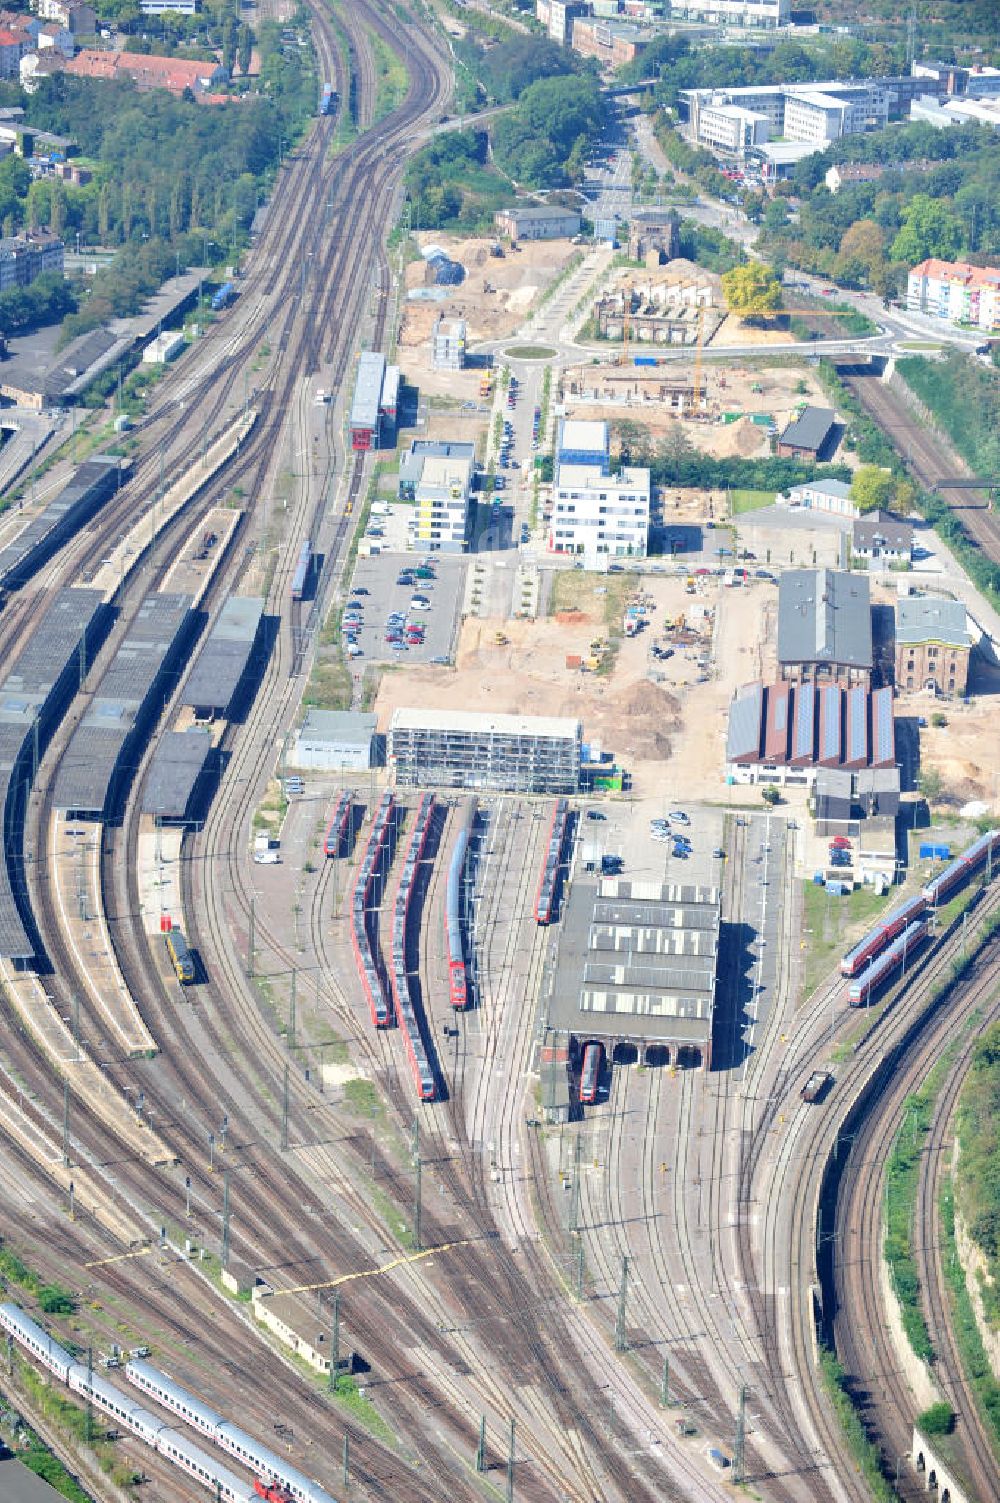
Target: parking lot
{"x":376,"y":589}
{"x":626,"y":830}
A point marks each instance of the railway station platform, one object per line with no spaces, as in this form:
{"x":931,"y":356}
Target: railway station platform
{"x":53,"y":1033}
{"x":159,"y":875}
{"x":75,"y":861}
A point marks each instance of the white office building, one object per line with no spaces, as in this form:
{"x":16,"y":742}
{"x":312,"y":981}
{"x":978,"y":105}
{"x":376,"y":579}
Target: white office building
{"x":759,"y":13}
{"x":734,"y":120}
{"x":599,"y":516}
{"x":441,"y":504}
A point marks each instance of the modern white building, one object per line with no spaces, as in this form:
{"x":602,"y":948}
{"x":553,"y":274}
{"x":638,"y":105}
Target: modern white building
{"x":833,"y":496}
{"x":164,"y":347}
{"x":441,"y":504}
{"x":332,"y":739}
{"x":763,"y":14}
{"x":603,"y":517}
{"x":956,"y":292}
{"x":955,"y":111}
{"x":729,"y":120}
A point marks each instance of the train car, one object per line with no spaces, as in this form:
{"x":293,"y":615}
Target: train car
{"x":37,"y":1340}
{"x":336,"y":830}
{"x":180,"y":955}
{"x":882,"y":934}
{"x":981,"y":852}
{"x":272,"y":1471}
{"x":458,"y":984}
{"x":590,"y":1073}
{"x":406,"y":1012}
{"x":328,"y":100}
{"x":377,"y":851}
{"x":225,"y":295}
{"x":303,"y":571}
{"x":547,"y":896}
{"x":864,"y":986}
{"x":149,"y":1427}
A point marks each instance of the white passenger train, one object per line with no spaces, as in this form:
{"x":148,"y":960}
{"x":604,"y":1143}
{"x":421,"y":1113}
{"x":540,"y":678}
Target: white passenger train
{"x":276,"y":1479}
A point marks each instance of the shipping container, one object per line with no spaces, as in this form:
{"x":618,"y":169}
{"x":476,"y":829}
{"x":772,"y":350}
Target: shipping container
{"x":929,"y":851}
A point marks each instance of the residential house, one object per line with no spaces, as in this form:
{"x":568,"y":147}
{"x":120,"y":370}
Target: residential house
{"x":878,"y":535}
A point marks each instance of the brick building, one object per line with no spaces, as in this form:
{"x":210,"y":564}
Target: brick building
{"x":933,"y":644}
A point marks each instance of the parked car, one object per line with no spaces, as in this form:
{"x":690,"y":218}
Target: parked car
{"x":679,"y":817}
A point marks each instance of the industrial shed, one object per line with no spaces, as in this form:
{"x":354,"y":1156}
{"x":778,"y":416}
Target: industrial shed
{"x":825,"y":626}
{"x":88,"y":488}
{"x":97,"y":759}
{"x":178,"y":767}
{"x":222,"y":664}
{"x":333,"y":739}
{"x":637,"y":964}
{"x":43,"y":676}
{"x":811,"y":435}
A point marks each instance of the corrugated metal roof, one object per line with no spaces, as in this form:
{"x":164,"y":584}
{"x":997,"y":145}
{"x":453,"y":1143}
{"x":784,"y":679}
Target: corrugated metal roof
{"x":175,"y":768}
{"x":745,"y":716}
{"x":222,"y":661}
{"x":90,"y":484}
{"x":368,"y":390}
{"x":830,"y":710}
{"x":824,"y":616}
{"x":856,"y":742}
{"x":88,"y":767}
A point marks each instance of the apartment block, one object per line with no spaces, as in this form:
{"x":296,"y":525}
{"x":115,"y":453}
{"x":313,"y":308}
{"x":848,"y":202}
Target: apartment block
{"x":957,"y":292}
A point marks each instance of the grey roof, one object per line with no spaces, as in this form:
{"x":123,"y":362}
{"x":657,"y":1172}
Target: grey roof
{"x":745,"y":712}
{"x":928,"y":618}
{"x":368,"y":390}
{"x":811,"y":428}
{"x":550,"y":211}
{"x":824,"y":617}
{"x":84,"y":779}
{"x":91,"y":484}
{"x":877,"y":780}
{"x":19,"y":1485}
{"x":24,"y":695}
{"x":222,"y":662}
{"x":833,"y":782}
{"x":342,"y":727}
{"x":411,"y":465}
{"x":881,"y":526}
{"x":176,"y":766}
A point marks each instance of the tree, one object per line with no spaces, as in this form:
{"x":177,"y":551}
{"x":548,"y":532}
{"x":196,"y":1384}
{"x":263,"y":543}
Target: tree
{"x":931,"y":785}
{"x":938,"y":1419}
{"x":752,"y":291}
{"x":872,"y":488}
{"x":862,"y":252}
{"x":770,"y":795}
{"x":929,"y":228}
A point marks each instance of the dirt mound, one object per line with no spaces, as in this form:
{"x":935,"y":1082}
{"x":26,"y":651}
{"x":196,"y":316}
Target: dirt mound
{"x":740,"y":440}
{"x":637,"y":721}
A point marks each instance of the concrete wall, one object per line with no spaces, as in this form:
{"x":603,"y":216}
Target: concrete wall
{"x":917,"y":1373}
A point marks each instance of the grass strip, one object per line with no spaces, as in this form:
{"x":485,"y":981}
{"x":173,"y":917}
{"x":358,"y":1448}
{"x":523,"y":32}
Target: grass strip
{"x":902,"y":1174}
{"x":979,"y":1375}
{"x":865,"y":1453}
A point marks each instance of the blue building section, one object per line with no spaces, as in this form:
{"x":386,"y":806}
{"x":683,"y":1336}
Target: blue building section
{"x":584,"y":443}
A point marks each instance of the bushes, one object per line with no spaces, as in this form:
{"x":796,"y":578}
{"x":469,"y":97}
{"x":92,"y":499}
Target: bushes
{"x":938,"y":1419}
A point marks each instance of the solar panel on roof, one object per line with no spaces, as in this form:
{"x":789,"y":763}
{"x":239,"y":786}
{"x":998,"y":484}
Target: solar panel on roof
{"x":805,"y":713}
{"x":830,"y":724}
{"x":883,"y":727}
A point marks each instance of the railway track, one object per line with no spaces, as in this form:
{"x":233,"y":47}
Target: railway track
{"x":922,"y":450}
{"x":886,"y":1402}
